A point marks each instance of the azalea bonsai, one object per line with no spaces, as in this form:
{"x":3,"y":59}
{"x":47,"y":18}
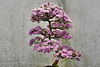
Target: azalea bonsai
{"x":58,"y":23}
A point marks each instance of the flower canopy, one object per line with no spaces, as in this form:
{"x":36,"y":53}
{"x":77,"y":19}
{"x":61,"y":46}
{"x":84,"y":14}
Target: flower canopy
{"x":58,"y":21}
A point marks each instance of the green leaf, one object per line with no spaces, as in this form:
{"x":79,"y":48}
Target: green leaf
{"x":56,"y":65}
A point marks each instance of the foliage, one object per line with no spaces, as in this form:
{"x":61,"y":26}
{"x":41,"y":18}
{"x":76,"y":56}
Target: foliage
{"x":58,"y":20}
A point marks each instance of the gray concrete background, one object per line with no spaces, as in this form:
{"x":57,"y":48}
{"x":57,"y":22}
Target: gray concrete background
{"x":15,"y":24}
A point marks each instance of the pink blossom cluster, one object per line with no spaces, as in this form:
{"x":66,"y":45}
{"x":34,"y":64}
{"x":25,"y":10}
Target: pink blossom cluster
{"x":61,"y":26}
{"x":47,"y":46}
{"x":49,"y":11}
{"x":39,"y":30}
{"x":35,"y":30}
{"x":61,"y":51}
{"x":67,"y":52}
{"x":61,"y":34}
{"x":35,"y":40}
{"x":56,"y":34}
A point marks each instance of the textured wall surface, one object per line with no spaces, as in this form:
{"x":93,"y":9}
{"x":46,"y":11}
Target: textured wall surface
{"x":15,"y":24}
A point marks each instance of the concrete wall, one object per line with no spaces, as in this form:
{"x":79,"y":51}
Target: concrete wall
{"x":15,"y":24}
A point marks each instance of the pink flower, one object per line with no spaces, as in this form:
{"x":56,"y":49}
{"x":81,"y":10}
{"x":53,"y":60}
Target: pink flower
{"x":70,"y":57}
{"x":60,"y":51}
{"x":36,"y":47}
{"x":64,"y":50}
{"x":46,"y":49}
{"x":69,"y":52}
{"x":77,"y":56}
{"x":58,"y":42}
{"x":52,"y":47}
{"x":64,"y":55}
{"x":56,"y":48}
{"x":51,"y":41}
{"x":31,"y":41}
{"x":57,"y":54}
{"x":58,"y":58}
{"x":45,"y":43}
{"x":49,"y":32}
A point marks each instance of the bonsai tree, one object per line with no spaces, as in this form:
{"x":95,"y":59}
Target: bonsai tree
{"x":58,"y":22}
